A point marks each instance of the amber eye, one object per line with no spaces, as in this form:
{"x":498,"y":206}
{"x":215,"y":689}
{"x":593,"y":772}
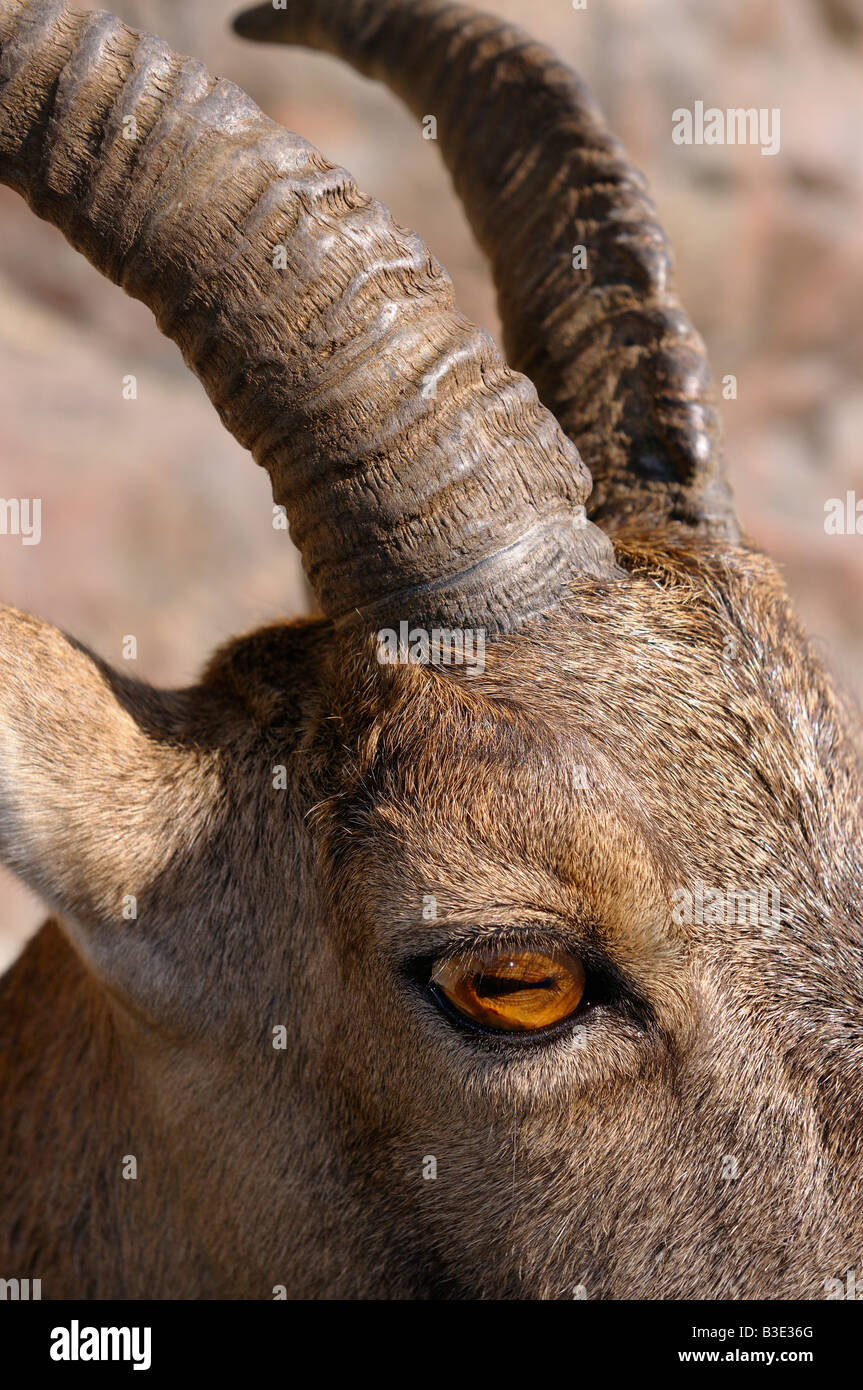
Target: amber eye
{"x":514,"y":991}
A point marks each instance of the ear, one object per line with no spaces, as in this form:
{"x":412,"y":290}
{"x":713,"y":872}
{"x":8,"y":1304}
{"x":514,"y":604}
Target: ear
{"x":101,"y":782}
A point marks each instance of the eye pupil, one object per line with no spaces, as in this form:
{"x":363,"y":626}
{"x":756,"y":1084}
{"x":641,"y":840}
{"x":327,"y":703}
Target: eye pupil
{"x":492,"y":986}
{"x":522,"y":991}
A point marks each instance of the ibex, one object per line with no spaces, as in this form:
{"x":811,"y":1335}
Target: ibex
{"x":396,"y":978}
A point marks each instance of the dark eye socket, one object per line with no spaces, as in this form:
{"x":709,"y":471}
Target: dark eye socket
{"x":523,"y":990}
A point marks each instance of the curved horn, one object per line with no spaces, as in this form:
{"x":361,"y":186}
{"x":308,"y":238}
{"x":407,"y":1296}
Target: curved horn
{"x":420,"y":475}
{"x":609,"y":347}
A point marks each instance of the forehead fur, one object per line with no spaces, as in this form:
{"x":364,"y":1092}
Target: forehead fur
{"x":677,"y":729}
{"x":687,"y":652}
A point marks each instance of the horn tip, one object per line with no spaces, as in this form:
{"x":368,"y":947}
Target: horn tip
{"x":254,"y":23}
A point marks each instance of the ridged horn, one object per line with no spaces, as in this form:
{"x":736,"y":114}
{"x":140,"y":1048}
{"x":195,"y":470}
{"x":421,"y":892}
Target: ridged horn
{"x":608,"y":345}
{"x":420,"y":475}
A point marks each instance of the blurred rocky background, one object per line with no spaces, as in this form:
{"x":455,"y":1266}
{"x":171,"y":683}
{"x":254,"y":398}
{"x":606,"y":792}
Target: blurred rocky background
{"x":156,"y":524}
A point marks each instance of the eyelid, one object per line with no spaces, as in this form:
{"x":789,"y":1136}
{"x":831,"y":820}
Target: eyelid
{"x":533,"y":931}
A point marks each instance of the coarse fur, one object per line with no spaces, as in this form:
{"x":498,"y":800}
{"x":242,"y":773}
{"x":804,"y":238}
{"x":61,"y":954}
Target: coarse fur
{"x":257,"y":852}
{"x":558,"y":1166}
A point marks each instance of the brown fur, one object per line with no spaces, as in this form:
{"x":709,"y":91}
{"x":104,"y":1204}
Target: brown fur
{"x":557,"y":1166}
{"x":699,"y":1132}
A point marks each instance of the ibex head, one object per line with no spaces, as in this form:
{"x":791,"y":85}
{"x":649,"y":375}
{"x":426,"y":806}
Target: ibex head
{"x":514,"y":978}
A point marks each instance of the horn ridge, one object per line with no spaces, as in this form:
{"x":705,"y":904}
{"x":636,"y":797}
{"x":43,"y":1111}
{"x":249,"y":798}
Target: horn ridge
{"x":607,"y":343}
{"x":403,"y":448}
